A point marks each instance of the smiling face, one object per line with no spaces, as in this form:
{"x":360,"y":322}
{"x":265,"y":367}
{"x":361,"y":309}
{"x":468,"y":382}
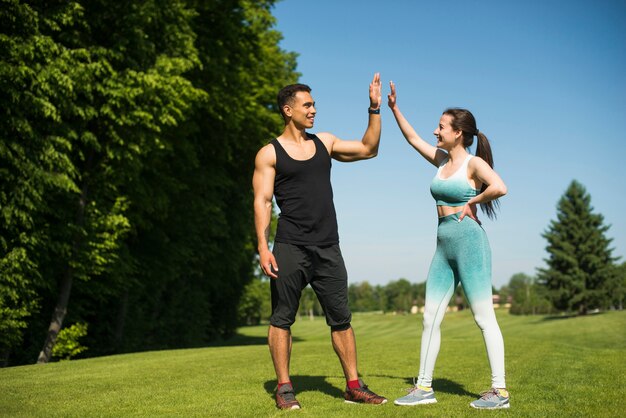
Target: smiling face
{"x":447,"y":137}
{"x":301,"y":110}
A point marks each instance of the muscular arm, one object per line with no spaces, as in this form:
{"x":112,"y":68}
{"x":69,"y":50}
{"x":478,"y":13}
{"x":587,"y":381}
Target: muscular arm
{"x":263,"y":185}
{"x":367,"y":147}
{"x":431,"y":153}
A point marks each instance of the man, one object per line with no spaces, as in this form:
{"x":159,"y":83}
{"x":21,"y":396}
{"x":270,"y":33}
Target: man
{"x":295,"y":168}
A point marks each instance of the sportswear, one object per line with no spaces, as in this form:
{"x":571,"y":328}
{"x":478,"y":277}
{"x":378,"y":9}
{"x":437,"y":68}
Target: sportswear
{"x":462,"y":256}
{"x":454,"y":190}
{"x":492,"y":399}
{"x":417,"y":396}
{"x":286,"y":398}
{"x":321,"y":267}
{"x":305,"y":197}
{"x":363,"y":394}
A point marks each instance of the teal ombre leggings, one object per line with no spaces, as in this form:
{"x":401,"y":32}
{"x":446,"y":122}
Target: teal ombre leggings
{"x":462,"y":255}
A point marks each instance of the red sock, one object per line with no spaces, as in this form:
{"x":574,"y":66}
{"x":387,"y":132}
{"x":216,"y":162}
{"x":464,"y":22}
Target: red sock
{"x":284,"y":383}
{"x":354,"y":384}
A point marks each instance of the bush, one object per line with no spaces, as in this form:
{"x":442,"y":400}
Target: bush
{"x":67,"y":345}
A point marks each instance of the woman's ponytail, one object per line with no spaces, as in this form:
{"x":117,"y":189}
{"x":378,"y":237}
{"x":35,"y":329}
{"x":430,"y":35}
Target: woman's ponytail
{"x":483,"y":150}
{"x":463,"y":120}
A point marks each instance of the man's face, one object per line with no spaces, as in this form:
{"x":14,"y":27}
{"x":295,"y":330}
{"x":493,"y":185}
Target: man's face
{"x":301,"y":110}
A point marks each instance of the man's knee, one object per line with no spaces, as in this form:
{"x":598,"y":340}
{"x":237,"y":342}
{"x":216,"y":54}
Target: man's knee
{"x":281,"y":327}
{"x":342,"y":327}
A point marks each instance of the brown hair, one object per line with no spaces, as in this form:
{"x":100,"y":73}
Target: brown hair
{"x":463,"y":120}
{"x":288,"y":93}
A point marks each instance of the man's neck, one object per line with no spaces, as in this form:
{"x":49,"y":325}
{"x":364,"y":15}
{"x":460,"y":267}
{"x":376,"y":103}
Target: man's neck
{"x":293,"y":134}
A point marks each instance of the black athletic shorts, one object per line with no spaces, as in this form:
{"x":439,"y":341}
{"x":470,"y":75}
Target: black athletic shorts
{"x":321,"y":267}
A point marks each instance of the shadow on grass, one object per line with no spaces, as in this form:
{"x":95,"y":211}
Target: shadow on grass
{"x":571,"y":315}
{"x":239,"y":339}
{"x":307,"y":383}
{"x":446,"y":386}
{"x":320,"y":384}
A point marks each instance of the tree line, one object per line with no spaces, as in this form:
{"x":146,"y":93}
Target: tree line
{"x":127,"y":141}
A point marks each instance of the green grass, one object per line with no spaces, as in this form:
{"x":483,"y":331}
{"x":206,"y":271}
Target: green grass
{"x":556,"y":367}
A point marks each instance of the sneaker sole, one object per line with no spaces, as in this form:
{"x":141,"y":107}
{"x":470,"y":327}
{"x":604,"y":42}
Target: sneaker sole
{"x":505,"y":406}
{"x":422,"y":402}
{"x":364,"y":403}
{"x":289,"y":409}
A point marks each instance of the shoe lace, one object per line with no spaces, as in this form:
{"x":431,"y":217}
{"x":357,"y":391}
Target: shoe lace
{"x":367,"y":392}
{"x":288,"y":395}
{"x":414,"y":387}
{"x":487,"y":394}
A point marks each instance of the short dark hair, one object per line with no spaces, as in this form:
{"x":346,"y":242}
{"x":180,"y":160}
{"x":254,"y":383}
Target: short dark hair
{"x":288,"y":93}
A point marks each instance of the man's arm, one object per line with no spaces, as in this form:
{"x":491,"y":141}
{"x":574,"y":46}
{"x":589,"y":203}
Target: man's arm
{"x":342,"y":150}
{"x":263,"y":186}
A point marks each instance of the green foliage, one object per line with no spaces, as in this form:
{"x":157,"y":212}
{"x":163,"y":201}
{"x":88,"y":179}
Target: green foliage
{"x":580,"y":270}
{"x":127,"y":137}
{"x":363,"y":297}
{"x":399,"y":296}
{"x":255,"y":304}
{"x":527,"y":297}
{"x":68,"y":344}
{"x":617,"y":287}
{"x":396,"y":296}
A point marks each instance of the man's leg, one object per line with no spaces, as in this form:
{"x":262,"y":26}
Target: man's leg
{"x":280,"y":348}
{"x":286,"y":291}
{"x":344,"y":344}
{"x":330,"y":284}
{"x":357,"y":391}
{"x":279,"y":340}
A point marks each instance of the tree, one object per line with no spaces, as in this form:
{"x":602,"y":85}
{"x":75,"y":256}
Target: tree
{"x":362,"y":297}
{"x":618,"y":287}
{"x":399,"y":296}
{"x":526,"y":296}
{"x":255,"y":304}
{"x":580,"y":268}
{"x":127,"y":143}
{"x":419,"y":292}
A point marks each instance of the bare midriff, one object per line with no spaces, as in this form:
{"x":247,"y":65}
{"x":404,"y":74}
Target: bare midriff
{"x":448,"y":210}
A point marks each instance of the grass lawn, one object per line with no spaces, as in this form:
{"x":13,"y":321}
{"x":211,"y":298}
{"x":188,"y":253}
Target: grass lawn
{"x":556,"y":367}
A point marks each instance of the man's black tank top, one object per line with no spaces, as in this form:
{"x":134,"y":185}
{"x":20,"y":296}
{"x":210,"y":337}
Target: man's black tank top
{"x":305,"y":197}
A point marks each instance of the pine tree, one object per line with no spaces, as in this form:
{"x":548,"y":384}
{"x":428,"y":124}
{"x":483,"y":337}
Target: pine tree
{"x":580,"y":268}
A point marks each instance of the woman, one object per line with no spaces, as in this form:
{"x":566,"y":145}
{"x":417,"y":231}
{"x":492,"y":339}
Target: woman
{"x":463,"y":255}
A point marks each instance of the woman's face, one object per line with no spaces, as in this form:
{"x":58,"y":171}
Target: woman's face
{"x":446,"y":136}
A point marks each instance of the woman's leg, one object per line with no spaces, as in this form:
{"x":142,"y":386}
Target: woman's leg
{"x":474,"y":268}
{"x":440,"y":286}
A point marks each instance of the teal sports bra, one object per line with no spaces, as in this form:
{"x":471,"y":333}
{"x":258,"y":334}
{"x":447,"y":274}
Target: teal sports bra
{"x":454,"y":190}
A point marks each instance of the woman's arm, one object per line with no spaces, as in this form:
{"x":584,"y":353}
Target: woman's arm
{"x":431,"y":153}
{"x":482,"y":173}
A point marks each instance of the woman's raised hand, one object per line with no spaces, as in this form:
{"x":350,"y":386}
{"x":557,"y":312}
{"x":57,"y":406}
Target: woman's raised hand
{"x":391,"y":97}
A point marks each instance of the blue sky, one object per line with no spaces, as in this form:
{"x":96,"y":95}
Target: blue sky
{"x":546,"y":81}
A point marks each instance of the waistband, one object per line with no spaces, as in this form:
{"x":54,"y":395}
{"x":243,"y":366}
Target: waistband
{"x":449,"y":218}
